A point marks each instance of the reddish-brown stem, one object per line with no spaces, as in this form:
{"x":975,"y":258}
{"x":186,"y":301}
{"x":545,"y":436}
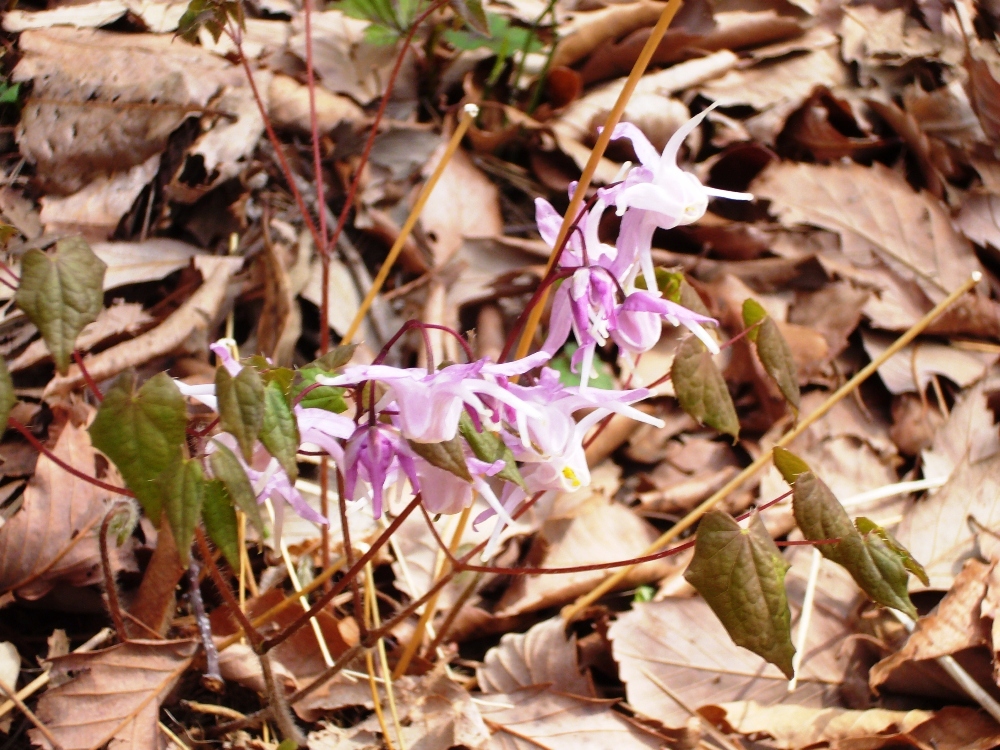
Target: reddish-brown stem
{"x":111,"y":588}
{"x":352,"y":190}
{"x":741,"y":334}
{"x":277,"y":704}
{"x":324,"y":509}
{"x":8,"y":284}
{"x":37,"y":445}
{"x":351,"y":573}
{"x":14,"y":276}
{"x":86,"y":376}
{"x":286,"y":170}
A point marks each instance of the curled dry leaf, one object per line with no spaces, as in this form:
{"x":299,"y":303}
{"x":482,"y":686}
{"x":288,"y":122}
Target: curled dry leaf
{"x":923,"y":360}
{"x":537,"y":717}
{"x":542,"y":656}
{"x":115,"y":695}
{"x":53,"y":537}
{"x":875,"y":212}
{"x":195,"y":315}
{"x":955,"y":625}
{"x":288,"y":106}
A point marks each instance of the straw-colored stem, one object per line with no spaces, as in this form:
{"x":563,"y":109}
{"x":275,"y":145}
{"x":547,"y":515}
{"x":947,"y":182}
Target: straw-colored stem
{"x":655,"y":37}
{"x":573,"y":610}
{"x":371,"y":606}
{"x":382,"y":656}
{"x":418,"y":633}
{"x":469,"y":114}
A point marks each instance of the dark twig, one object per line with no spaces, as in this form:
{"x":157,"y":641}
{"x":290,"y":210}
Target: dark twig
{"x":110,"y":586}
{"x":212,"y":679}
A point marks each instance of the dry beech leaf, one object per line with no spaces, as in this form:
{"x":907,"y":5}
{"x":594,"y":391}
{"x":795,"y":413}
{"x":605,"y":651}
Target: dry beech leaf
{"x":599,"y":531}
{"x":875,"y":211}
{"x":436,"y":713}
{"x":537,"y":717}
{"x":288,"y":106}
{"x":157,"y":80}
{"x":239,"y":664}
{"x":464,"y":203}
{"x":114,"y":695}
{"x":979,"y":219}
{"x":542,"y":656}
{"x":924,"y":360}
{"x":966,"y":450}
{"x":955,"y":624}
{"x":53,"y":537}
{"x":677,"y":647}
{"x":585,"y":32}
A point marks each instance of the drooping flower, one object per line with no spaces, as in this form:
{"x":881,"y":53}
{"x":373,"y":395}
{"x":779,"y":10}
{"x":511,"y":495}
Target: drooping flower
{"x":658,"y":193}
{"x":377,"y":454}
{"x":430,"y":404}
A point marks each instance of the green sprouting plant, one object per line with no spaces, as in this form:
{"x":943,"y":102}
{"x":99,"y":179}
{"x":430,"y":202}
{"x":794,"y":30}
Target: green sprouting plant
{"x":503,"y":39}
{"x":390,"y":20}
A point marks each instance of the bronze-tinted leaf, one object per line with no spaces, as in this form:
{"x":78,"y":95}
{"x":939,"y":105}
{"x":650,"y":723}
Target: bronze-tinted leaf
{"x":280,"y":432}
{"x":220,"y":521}
{"x":226,"y":468}
{"x":741,"y":574}
{"x":701,"y":389}
{"x":876,"y":569}
{"x":182,"y":487}
{"x":447,"y":455}
{"x":7,"y":397}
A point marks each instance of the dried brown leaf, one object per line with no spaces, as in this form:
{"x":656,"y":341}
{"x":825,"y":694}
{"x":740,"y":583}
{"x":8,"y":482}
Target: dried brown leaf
{"x":114,"y":695}
{"x":542,"y":656}
{"x":924,"y":360}
{"x":979,"y":219}
{"x":677,"y":647}
{"x":536,"y":717}
{"x":105,"y":102}
{"x":53,"y":538}
{"x":955,"y":625}
{"x":288,"y":106}
{"x":875,"y":212}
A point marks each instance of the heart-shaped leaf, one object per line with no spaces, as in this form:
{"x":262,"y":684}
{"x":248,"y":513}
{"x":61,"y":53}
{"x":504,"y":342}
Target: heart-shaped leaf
{"x":226,"y":468}
{"x":220,"y":521}
{"x":61,"y":293}
{"x":7,"y":396}
{"x":866,"y":526}
{"x":280,"y":432}
{"x":334,"y":359}
{"x":773,"y":351}
{"x":447,"y":455}
{"x":471,"y":11}
{"x":490,"y":447}
{"x":241,"y":406}
{"x":876,"y":569}
{"x":182,"y":488}
{"x":701,"y":389}
{"x":141,"y":432}
{"x":741,"y":574}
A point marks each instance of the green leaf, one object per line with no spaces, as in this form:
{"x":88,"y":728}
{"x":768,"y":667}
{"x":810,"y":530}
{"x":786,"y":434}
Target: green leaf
{"x":490,"y":447}
{"x":471,"y":11}
{"x":502,"y":37}
{"x":773,"y":351}
{"x":283,"y":376}
{"x":741,"y":575}
{"x":326,"y":397}
{"x":753,"y":313}
{"x":241,"y":406}
{"x":226,"y":468}
{"x":7,"y":397}
{"x":563,"y":364}
{"x":876,"y":569}
{"x":447,"y":455}
{"x":182,"y":488}
{"x":701,"y":389}
{"x":220,"y":521}
{"x":643,"y":594}
{"x":142,"y":433}
{"x":866,"y":526}
{"x":288,"y":745}
{"x":9,"y":93}
{"x":789,"y":464}
{"x":334,"y":359}
{"x":61,"y":294}
{"x":280,"y":433}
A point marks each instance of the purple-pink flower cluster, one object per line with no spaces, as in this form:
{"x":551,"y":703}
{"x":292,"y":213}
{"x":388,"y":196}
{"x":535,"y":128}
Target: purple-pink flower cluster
{"x":507,"y":431}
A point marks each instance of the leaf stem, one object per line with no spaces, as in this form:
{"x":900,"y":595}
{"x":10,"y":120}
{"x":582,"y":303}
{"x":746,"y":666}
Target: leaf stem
{"x":212,"y":679}
{"x":87,"y":377}
{"x":37,"y":445}
{"x":110,"y":586}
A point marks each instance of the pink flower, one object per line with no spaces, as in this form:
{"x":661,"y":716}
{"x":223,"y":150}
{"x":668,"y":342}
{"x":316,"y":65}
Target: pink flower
{"x":378,"y":455}
{"x":430,"y":404}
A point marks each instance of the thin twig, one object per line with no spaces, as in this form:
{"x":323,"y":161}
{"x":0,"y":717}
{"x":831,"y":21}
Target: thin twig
{"x":12,"y":695}
{"x":212,"y":679}
{"x":110,"y":586}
